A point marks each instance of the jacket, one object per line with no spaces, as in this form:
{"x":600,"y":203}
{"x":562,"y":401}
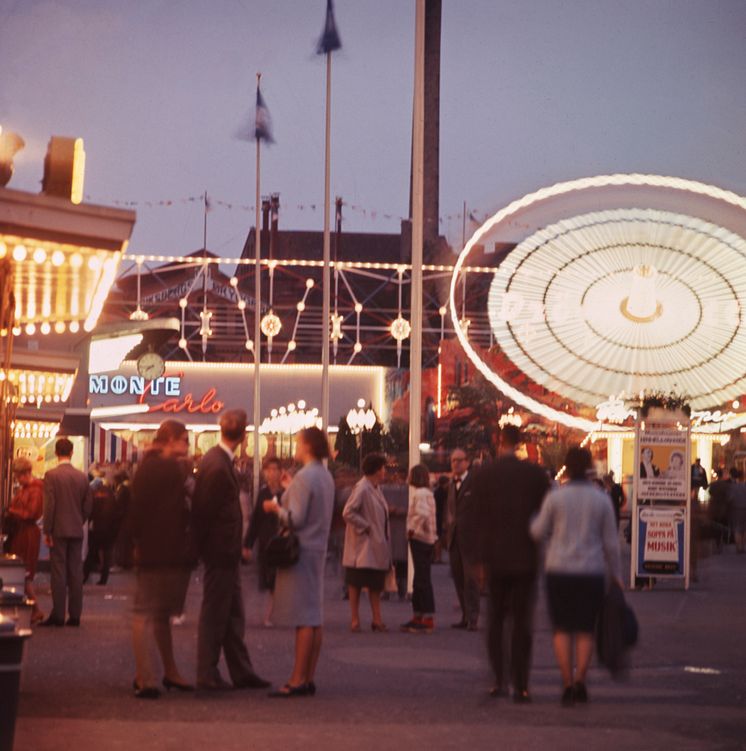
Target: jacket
{"x":461,"y":528}
{"x":217,"y":522}
{"x":507,"y":493}
{"x":158,"y":516}
{"x":421,"y":516}
{"x":366,"y":515}
{"x":67,"y":501}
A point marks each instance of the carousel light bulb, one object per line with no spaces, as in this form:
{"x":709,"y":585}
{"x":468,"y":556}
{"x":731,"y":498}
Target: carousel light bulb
{"x":182,"y":343}
{"x":310,"y":283}
{"x":76,"y":261}
{"x":30,"y":329}
{"x":301,"y":404}
{"x":242,"y":304}
{"x":234,"y":281}
{"x":442,"y":310}
{"x":59,"y":327}
{"x":94,"y":263}
{"x":40,"y":255}
{"x":291,"y":345}
{"x":183,"y":303}
{"x":19,"y":253}
{"x":361,"y":403}
{"x":3,"y":250}
{"x":358,"y":307}
{"x":736,"y":404}
{"x":45,"y":328}
{"x":58,"y":258}
{"x":74,"y":327}
{"x":301,"y":306}
{"x":249,"y":345}
{"x":16,"y":330}
{"x":357,"y":347}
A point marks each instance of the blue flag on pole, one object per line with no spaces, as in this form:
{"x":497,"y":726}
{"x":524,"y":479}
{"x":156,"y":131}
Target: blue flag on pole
{"x":330,"y":40}
{"x":263,"y":122}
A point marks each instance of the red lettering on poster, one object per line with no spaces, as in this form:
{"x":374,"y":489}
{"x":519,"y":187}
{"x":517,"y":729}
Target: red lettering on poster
{"x":207,"y":404}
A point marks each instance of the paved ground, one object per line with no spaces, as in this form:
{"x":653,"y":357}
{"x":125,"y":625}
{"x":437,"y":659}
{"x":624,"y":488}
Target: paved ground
{"x":399,"y":690}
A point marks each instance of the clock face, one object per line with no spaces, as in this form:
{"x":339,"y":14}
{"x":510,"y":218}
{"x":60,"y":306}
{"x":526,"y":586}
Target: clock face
{"x":151,"y":365}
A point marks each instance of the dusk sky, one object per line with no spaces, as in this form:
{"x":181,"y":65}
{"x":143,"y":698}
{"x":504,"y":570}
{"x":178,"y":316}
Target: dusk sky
{"x":532,"y":92}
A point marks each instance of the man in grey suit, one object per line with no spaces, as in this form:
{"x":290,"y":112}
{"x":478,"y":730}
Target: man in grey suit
{"x":462,"y":541}
{"x":67,"y":505}
{"x":217,"y":524}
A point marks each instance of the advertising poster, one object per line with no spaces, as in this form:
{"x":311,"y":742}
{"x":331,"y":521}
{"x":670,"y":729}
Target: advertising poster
{"x":663,"y":469}
{"x":661,"y":540}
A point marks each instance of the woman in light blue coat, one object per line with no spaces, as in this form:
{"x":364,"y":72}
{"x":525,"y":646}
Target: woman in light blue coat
{"x":299,"y":589}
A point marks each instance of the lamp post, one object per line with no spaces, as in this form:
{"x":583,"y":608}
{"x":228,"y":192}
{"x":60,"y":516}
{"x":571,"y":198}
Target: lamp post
{"x":288,"y":421}
{"x":358,"y":421}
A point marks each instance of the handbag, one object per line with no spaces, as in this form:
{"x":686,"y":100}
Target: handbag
{"x":283,"y":550}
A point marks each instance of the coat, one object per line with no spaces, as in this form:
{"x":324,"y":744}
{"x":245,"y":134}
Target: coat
{"x":67,"y":501}
{"x":217,"y":521}
{"x":366,"y":515}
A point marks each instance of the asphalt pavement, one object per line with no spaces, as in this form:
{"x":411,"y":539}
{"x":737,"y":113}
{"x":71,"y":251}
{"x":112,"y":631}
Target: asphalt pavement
{"x":687,"y":688}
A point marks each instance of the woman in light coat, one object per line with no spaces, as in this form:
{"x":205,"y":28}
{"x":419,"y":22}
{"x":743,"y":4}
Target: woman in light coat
{"x":308,"y":503}
{"x":367,"y":554}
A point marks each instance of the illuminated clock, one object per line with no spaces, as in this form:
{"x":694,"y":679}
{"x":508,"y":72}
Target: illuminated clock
{"x":150,"y":365}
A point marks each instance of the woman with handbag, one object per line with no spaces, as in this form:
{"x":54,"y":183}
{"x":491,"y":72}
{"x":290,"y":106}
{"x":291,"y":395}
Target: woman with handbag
{"x":578,"y":524}
{"x":307,"y":508}
{"x":367,"y":551}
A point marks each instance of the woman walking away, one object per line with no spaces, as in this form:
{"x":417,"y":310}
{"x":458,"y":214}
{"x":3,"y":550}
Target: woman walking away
{"x":307,"y":504}
{"x":367,"y":553}
{"x":262,"y":528}
{"x":158,"y":521}
{"x":582,"y":545}
{"x":24,"y":513}
{"x":422,"y":534}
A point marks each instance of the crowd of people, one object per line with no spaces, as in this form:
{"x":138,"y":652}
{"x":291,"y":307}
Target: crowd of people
{"x":490,"y":519}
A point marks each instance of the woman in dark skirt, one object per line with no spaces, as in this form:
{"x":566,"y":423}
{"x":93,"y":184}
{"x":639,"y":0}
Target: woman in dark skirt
{"x":367,"y":552}
{"x":263,"y":527}
{"x":578,"y":523}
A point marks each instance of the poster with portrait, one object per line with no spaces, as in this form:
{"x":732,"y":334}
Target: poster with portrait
{"x":663,"y":466}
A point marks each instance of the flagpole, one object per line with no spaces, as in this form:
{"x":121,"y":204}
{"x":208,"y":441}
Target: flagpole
{"x":418,"y":153}
{"x":325,"y":313}
{"x":257,"y":314}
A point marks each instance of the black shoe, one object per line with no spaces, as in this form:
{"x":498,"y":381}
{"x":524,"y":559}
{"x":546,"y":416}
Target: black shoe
{"x":311,"y":686}
{"x":102,"y":582}
{"x":497,"y":692}
{"x":461,"y":624}
{"x":168,"y":684}
{"x":72,"y":622}
{"x":52,"y":621}
{"x":252,"y":681}
{"x":568,"y":697}
{"x":580,"y":693}
{"x":290,"y":692}
{"x":521,"y":697}
{"x":147,"y":692}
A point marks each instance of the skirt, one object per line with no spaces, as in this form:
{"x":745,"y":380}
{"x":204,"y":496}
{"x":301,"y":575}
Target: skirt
{"x":366,"y":578}
{"x":575,"y":601}
{"x":161,"y":592}
{"x":299,"y":591}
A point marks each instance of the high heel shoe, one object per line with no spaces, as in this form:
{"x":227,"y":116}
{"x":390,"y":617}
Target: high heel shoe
{"x":379,"y":628}
{"x":145,"y":692}
{"x":289,"y":692}
{"x":168,"y":684}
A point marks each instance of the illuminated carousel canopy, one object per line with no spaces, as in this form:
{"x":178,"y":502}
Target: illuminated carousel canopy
{"x":616,"y":285}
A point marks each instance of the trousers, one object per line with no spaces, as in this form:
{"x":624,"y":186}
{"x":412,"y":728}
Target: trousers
{"x":66,"y":575}
{"x":465,"y":574}
{"x":221,"y":627}
{"x":511,"y":595}
{"x":423,"y":600}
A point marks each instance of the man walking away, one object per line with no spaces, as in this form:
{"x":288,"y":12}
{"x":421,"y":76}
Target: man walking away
{"x":462,"y":541}
{"x":217,"y":525}
{"x":508,"y":492}
{"x":67,"y":505}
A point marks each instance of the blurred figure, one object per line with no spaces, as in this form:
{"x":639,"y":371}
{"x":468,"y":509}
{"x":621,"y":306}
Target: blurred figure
{"x":508,"y":492}
{"x":422,"y":534}
{"x":25,"y":511}
{"x":462,"y":541}
{"x":396,"y":493}
{"x":441,"y":503}
{"x":699,"y":473}
{"x":263,"y":527}
{"x":67,"y":505}
{"x":577,"y":521}
{"x":299,"y":592}
{"x":718,"y":508}
{"x":217,"y":523}
{"x":367,"y":558}
{"x":158,"y":522}
{"x":123,"y":547}
{"x":616,"y":493}
{"x":738,"y":509}
{"x":103,"y":528}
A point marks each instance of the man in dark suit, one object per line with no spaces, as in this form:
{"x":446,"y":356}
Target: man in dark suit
{"x":217,"y":525}
{"x":508,"y":492}
{"x":67,"y":505}
{"x":462,"y":541}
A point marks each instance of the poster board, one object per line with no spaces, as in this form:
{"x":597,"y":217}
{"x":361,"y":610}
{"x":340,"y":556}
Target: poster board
{"x":661,"y":501}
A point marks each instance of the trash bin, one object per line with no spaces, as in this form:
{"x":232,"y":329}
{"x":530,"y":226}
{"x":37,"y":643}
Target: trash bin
{"x":11,"y":653}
